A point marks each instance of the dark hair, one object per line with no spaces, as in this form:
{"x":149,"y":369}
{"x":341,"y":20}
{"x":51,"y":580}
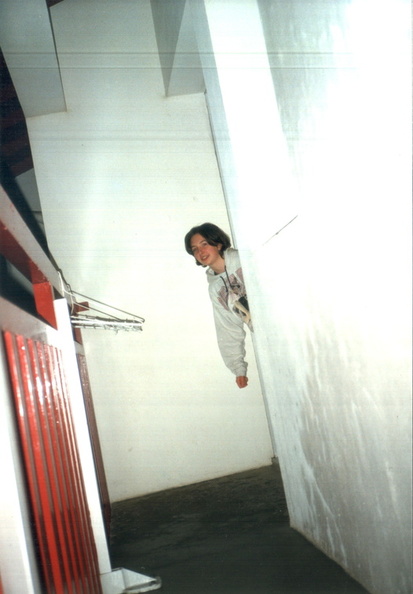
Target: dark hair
{"x":213,"y":235}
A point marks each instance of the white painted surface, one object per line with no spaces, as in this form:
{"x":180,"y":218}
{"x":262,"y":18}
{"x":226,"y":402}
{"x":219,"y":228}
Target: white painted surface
{"x":251,"y":148}
{"x":122,"y":176}
{"x":26,"y":40}
{"x":122,"y":580}
{"x":177,"y":48}
{"x":330,"y":295}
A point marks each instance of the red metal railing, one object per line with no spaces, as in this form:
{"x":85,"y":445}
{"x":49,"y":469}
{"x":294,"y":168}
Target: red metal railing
{"x":61,"y":518}
{"x":62,"y":530}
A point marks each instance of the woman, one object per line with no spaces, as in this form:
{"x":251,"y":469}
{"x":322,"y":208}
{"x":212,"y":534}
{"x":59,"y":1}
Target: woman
{"x":211,"y":247}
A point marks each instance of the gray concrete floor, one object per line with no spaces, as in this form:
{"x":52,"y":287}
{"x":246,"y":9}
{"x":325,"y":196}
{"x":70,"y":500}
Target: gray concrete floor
{"x":225,"y":536}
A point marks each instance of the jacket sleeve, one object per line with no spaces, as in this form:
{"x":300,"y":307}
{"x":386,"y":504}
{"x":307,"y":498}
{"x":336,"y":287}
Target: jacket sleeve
{"x":231,"y":338}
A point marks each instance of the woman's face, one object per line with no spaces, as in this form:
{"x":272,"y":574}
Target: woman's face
{"x":205,"y":254}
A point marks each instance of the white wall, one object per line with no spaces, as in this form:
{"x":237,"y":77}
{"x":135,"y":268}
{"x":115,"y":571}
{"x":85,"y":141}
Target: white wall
{"x":122,"y":176}
{"x":330,"y":294}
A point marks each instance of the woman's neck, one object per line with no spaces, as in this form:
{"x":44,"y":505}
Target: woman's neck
{"x":219,"y":266}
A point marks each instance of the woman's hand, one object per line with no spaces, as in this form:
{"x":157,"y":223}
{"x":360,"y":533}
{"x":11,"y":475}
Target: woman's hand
{"x":242,"y":381}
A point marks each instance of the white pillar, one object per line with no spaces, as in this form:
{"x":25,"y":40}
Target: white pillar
{"x":251,"y":149}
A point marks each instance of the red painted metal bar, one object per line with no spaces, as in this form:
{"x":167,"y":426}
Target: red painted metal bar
{"x":82,"y":518}
{"x":33,"y":457}
{"x":44,"y":300}
{"x":63,"y":528}
{"x":67,"y":503}
{"x":20,"y":248}
{"x":89,"y":540}
{"x":44,"y":478}
{"x":18,"y":245}
{"x":47,"y":428}
{"x":69,"y":467}
{"x":22,"y":420}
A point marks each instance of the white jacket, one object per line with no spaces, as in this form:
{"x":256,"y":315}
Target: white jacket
{"x":230,"y":306}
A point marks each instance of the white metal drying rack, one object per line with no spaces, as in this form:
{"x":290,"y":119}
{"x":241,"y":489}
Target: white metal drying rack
{"x":107,"y":321}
